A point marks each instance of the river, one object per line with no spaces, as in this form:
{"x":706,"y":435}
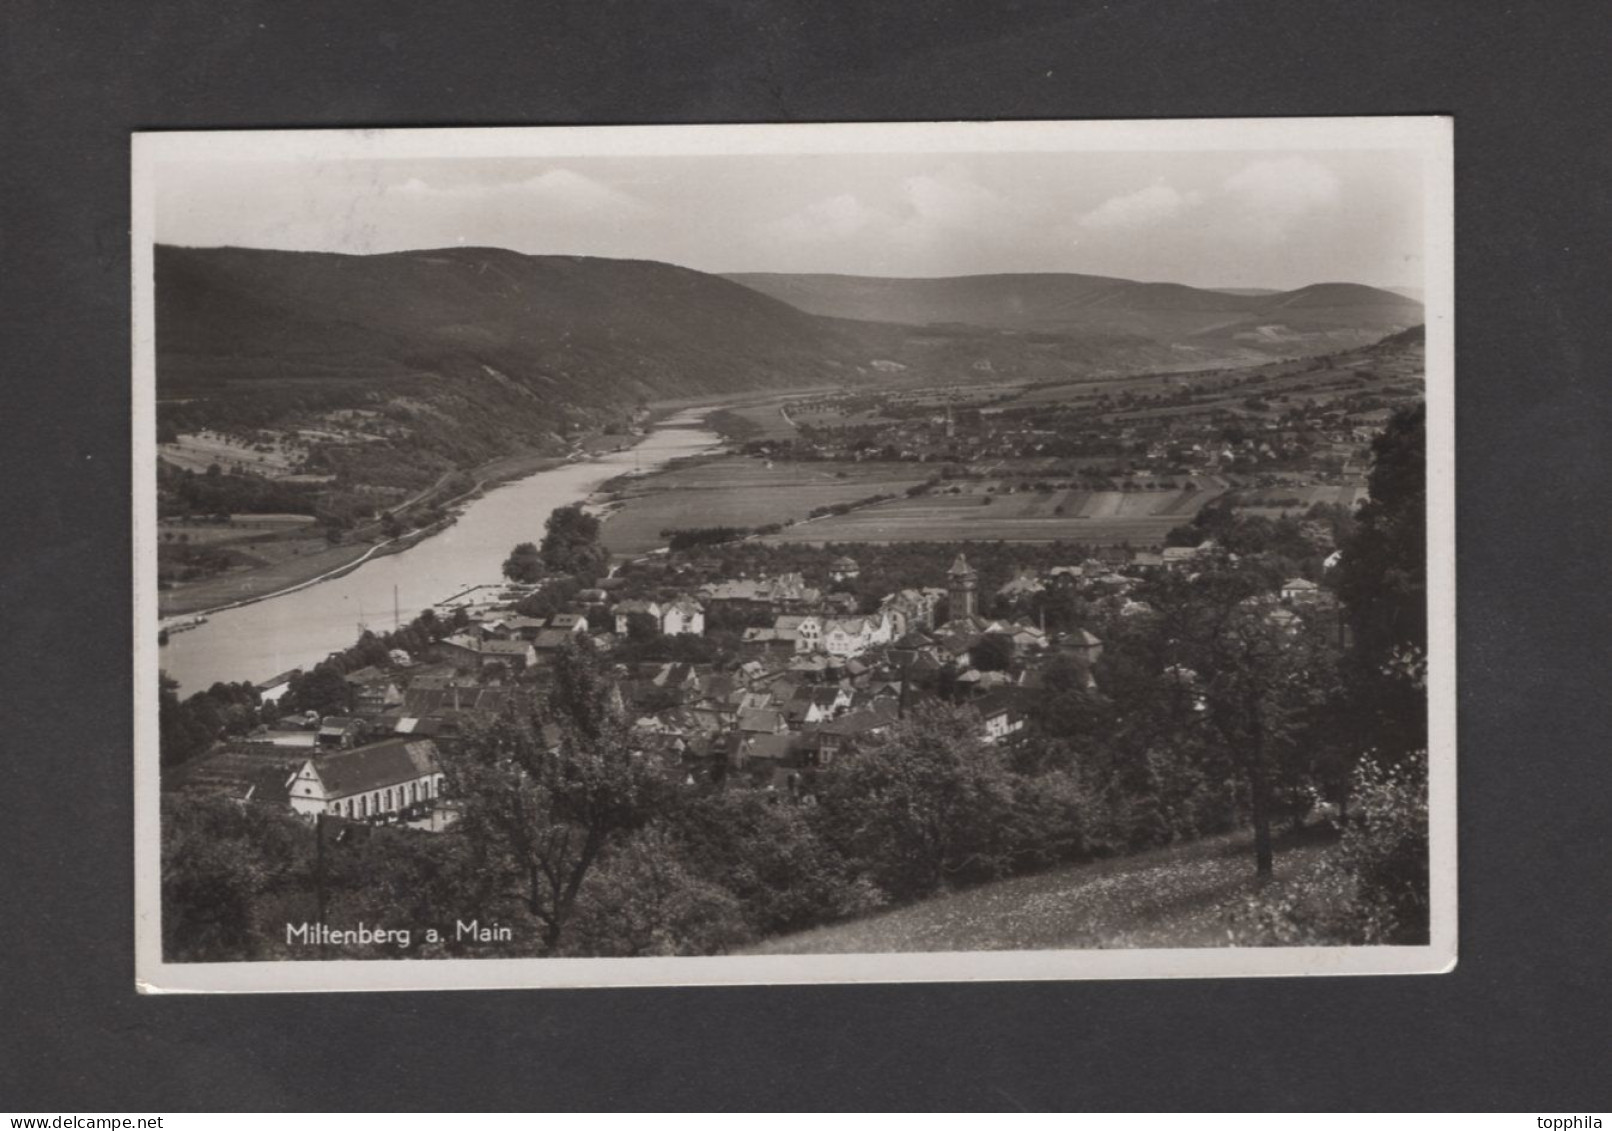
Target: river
{"x":260,"y":640}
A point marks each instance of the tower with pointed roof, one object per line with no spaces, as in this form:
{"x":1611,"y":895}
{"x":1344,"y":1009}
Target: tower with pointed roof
{"x":962,"y":585}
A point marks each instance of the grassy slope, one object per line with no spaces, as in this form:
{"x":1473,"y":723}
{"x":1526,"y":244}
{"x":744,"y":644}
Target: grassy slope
{"x":1182,"y":896}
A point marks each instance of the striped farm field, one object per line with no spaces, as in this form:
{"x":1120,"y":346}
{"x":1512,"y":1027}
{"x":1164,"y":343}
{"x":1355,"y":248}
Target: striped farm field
{"x":1141,"y":518}
{"x":744,"y":492}
{"x":1279,"y":500}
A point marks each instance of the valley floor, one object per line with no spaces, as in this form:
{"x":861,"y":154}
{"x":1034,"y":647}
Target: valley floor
{"x":1181,"y":896}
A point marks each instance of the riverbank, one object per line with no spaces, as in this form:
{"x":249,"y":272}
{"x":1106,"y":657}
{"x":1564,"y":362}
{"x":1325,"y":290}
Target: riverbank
{"x":231,"y":590}
{"x":237,"y":588}
{"x":275,"y":630}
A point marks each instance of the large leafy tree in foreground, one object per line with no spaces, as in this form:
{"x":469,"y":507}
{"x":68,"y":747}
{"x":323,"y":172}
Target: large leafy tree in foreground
{"x":924,"y":803}
{"x":549,"y":785}
{"x":1248,"y":683}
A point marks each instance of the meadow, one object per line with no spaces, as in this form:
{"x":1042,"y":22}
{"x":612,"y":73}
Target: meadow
{"x":1196,"y":894}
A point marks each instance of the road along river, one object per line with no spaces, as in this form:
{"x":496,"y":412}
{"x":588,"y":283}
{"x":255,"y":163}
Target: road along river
{"x":300,"y":628}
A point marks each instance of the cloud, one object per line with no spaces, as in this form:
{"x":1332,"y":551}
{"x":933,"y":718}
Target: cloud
{"x":555,"y":190}
{"x":1274,"y":195}
{"x":947,"y":202}
{"x":927,"y":212}
{"x":824,"y":221}
{"x":1143,"y":208}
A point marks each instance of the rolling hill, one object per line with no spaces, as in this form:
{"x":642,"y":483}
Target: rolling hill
{"x":389,"y":370}
{"x":228,"y":316}
{"x":1311,"y":319}
{"x":475,"y":352}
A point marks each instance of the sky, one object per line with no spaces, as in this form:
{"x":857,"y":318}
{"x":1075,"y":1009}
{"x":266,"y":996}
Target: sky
{"x":1268,"y":219}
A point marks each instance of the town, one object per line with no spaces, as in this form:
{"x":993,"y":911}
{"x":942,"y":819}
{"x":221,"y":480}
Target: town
{"x":772,"y":662}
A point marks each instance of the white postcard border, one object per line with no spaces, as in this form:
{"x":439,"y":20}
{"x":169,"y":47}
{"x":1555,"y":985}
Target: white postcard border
{"x":1431,"y":136}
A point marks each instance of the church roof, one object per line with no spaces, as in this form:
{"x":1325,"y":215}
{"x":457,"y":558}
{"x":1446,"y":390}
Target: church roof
{"x":376,"y":767}
{"x":960,"y":568}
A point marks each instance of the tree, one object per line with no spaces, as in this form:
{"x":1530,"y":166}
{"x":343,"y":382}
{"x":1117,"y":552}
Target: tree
{"x":571,"y":542}
{"x":1257,"y":677}
{"x":549,"y":785}
{"x":786,"y":877}
{"x":1382,"y":581}
{"x":993,"y":653}
{"x":642,"y":627}
{"x":923,"y":804}
{"x":219,"y":860}
{"x":644,"y":900}
{"x":524,"y":564}
{"x":182,"y":734}
{"x":323,"y":691}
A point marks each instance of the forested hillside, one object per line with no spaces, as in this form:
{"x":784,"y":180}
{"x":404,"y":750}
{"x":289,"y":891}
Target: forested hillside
{"x":1316,"y":318}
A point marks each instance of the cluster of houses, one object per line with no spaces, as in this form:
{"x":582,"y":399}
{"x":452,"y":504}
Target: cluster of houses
{"x":802,"y":692}
{"x":814,"y":682}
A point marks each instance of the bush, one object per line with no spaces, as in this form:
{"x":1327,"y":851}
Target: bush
{"x":1373,"y":891}
{"x":643,"y":900}
{"x":1385,"y":850}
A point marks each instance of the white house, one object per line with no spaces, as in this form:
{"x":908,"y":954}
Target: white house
{"x":683,"y":617}
{"x":911,"y":608}
{"x":807,"y":630}
{"x":272,"y":690}
{"x":851,"y":636}
{"x":1300,"y":590}
{"x":845,"y":636}
{"x":369,"y":781}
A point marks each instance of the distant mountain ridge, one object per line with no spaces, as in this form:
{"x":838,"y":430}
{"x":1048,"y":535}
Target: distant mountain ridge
{"x":472,"y":353}
{"x":1339,"y":314}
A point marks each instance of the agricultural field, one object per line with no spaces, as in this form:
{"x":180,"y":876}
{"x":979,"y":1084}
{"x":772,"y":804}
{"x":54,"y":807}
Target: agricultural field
{"x":746,"y":492}
{"x":1099,"y":518}
{"x":202,"y":564}
{"x":1274,"y":501}
{"x":256,"y":569}
{"x":1372,"y":370}
{"x":770,"y":419}
{"x":196,"y":451}
{"x":273,"y":455}
{"x":239,"y":528}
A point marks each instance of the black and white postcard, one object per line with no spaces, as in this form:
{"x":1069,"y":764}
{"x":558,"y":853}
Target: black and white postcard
{"x":798,"y":553}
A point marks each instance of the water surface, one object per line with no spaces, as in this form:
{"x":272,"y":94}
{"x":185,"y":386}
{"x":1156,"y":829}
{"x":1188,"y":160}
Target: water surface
{"x":257,"y":641}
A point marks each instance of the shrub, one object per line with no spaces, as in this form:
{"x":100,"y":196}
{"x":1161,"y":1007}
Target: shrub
{"x":1373,"y":890}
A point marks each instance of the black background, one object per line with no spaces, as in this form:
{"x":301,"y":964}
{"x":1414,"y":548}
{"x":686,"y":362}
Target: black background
{"x":1523,"y":1023}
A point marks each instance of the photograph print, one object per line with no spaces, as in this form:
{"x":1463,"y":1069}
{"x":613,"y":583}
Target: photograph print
{"x":796,"y":553}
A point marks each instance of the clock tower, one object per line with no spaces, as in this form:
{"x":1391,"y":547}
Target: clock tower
{"x":962,"y":589}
